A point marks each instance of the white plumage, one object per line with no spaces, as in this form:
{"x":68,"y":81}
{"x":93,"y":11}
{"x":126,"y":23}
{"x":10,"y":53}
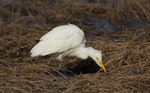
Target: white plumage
{"x":68,"y":40}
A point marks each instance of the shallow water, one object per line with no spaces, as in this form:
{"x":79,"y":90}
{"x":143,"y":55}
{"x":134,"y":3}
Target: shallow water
{"x":104,"y":24}
{"x":101,"y":24}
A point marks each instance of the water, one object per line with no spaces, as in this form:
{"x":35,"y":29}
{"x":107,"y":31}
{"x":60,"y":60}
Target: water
{"x":101,"y":24}
{"x":104,"y":24}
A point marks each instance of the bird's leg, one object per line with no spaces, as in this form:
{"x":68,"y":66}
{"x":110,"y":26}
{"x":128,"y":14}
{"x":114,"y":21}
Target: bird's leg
{"x":49,"y":62}
{"x":60,"y":58}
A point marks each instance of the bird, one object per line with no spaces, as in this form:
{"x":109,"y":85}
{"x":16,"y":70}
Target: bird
{"x":66,"y":40}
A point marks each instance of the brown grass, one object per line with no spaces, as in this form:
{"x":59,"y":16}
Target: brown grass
{"x":125,"y":53}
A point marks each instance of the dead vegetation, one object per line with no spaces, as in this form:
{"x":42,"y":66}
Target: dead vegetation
{"x":125,"y":53}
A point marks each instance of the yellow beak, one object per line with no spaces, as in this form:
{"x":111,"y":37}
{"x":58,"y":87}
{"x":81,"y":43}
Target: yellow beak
{"x":102,"y":66}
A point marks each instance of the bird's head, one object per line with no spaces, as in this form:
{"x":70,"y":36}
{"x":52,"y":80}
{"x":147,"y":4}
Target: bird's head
{"x":97,"y":57}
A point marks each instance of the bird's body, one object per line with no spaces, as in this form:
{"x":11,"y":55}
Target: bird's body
{"x":58,"y":40}
{"x":68,"y":40}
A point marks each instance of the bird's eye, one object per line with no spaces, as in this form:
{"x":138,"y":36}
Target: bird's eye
{"x":97,"y":58}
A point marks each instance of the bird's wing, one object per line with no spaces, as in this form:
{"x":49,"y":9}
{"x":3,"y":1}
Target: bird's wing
{"x":60,"y":32}
{"x":57,"y":42}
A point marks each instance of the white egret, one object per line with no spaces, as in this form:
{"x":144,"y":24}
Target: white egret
{"x":68,"y":40}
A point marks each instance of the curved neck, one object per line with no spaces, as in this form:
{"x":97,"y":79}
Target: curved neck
{"x":91,"y":51}
{"x":80,"y":52}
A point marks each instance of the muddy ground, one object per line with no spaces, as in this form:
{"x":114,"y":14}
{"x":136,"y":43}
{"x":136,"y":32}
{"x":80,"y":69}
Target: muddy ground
{"x":119,"y":28}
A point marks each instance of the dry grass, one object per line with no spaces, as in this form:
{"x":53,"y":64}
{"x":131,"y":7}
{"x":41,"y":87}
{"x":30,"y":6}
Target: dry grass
{"x":126,"y":53}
